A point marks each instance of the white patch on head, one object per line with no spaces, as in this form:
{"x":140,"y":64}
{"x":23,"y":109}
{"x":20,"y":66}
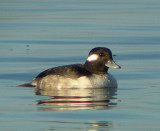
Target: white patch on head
{"x":92,"y":57}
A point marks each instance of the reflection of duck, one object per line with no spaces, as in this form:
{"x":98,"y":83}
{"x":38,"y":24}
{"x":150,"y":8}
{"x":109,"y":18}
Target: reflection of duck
{"x":78,"y":99}
{"x":91,"y":125}
{"x":92,"y":74}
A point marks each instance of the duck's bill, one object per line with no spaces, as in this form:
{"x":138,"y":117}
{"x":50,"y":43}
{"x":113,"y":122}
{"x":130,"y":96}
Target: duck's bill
{"x":112,"y":64}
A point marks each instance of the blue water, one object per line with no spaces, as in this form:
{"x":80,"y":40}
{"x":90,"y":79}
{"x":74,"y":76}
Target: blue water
{"x":36,"y":35}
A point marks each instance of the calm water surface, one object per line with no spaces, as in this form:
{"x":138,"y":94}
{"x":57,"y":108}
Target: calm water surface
{"x":37,"y":34}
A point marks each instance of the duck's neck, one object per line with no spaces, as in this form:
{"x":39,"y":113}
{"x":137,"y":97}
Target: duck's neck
{"x":97,"y":68}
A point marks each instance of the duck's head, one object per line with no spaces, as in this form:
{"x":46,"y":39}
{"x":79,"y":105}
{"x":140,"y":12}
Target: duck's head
{"x":100,"y":59}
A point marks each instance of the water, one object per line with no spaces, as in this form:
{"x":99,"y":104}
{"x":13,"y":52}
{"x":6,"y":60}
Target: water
{"x":36,"y":35}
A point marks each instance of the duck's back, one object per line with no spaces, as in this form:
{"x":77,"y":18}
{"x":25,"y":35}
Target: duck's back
{"x":72,"y":71}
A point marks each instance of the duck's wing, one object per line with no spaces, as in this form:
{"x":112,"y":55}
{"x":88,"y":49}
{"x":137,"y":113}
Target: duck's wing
{"x":71,"y":71}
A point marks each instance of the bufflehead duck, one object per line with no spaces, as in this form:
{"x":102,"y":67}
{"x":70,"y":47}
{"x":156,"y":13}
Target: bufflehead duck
{"x":92,"y":74}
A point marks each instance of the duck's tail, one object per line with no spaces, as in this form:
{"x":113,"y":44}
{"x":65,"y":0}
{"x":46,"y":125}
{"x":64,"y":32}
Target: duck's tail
{"x":27,"y":85}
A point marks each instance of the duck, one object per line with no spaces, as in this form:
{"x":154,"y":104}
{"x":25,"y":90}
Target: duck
{"x":92,"y":74}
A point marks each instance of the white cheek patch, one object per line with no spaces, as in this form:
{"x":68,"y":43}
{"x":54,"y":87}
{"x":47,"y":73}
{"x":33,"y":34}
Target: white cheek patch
{"x":92,"y":57}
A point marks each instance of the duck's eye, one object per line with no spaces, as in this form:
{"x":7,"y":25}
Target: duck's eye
{"x":101,"y":54}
